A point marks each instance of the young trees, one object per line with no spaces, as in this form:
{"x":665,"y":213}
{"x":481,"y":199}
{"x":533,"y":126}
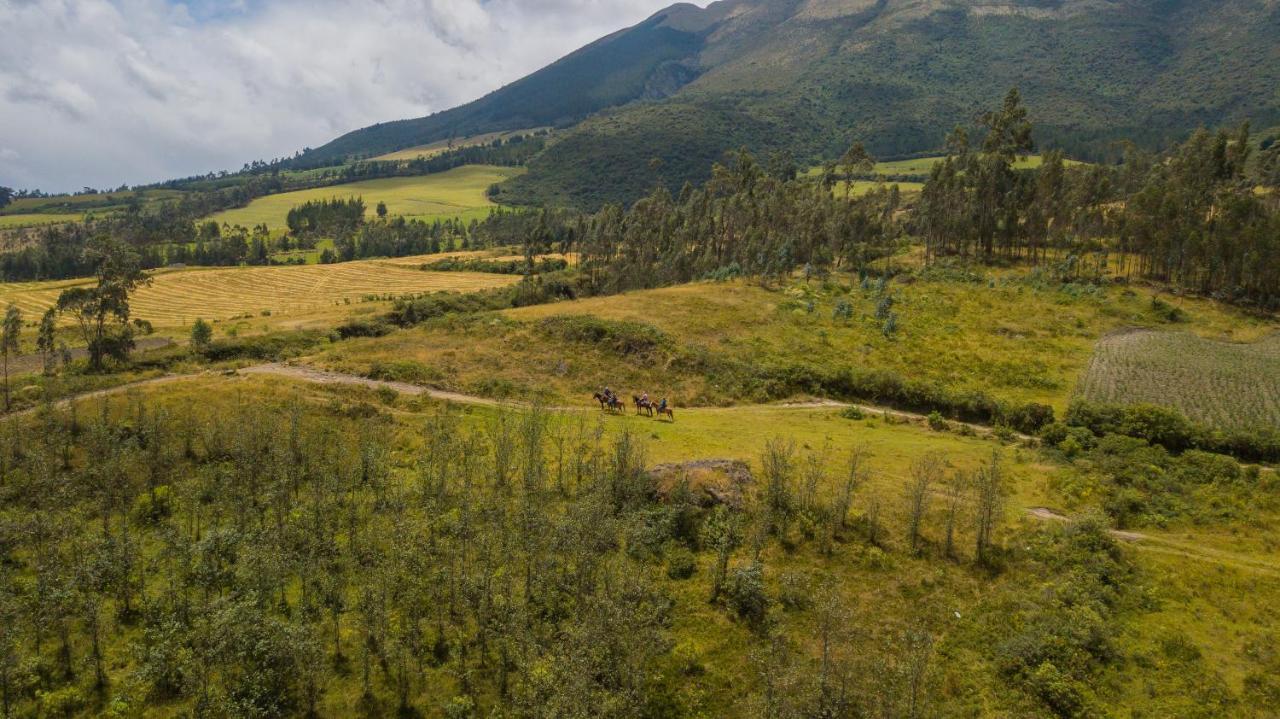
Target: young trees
{"x":102,"y":311}
{"x":46,"y":337}
{"x":9,"y":338}
{"x":988,"y":497}
{"x":201,"y":335}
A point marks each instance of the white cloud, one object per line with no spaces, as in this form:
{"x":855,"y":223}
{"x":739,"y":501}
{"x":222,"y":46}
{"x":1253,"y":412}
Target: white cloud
{"x":100,"y":92}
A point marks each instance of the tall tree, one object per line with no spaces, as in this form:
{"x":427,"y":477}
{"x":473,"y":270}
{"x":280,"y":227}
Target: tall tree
{"x":45,"y":338}
{"x":9,"y":337}
{"x":102,"y":311}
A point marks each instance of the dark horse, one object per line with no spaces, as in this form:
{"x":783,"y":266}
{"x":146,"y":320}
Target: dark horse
{"x":609,"y":403}
{"x":643,"y":405}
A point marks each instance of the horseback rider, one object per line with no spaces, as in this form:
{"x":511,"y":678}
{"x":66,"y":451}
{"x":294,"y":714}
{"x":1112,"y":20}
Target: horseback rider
{"x":644,"y":399}
{"x":608,"y":394}
{"x":662,"y":405}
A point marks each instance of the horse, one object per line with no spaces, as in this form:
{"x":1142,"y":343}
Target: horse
{"x":609,"y":403}
{"x":667,"y":411}
{"x":642,"y":405}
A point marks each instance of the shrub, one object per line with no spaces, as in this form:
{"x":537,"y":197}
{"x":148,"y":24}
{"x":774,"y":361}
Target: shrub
{"x":744,"y":591}
{"x":363,"y":328}
{"x":854,"y":412}
{"x":937,"y":423}
{"x":681,"y":564}
{"x":271,"y":347}
{"x":621,"y":337}
{"x":407,"y":371}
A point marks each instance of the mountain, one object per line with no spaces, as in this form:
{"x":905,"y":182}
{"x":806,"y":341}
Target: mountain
{"x":812,"y":76}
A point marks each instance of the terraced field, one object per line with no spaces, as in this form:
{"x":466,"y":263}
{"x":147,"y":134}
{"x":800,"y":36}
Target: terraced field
{"x":175,"y":299}
{"x":1225,"y":384}
{"x":458,"y":193}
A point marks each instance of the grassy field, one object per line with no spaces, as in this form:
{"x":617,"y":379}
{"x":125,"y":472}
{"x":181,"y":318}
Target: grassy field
{"x":176,"y":298}
{"x":37,"y":219}
{"x":435,"y":148}
{"x":1002,"y":334}
{"x":1226,"y":384}
{"x":458,"y":193}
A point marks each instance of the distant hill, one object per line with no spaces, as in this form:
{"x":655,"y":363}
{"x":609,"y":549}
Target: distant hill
{"x":811,"y":76}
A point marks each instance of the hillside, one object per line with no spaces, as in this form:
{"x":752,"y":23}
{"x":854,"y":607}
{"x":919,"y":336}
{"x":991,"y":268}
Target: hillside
{"x":811,"y":76}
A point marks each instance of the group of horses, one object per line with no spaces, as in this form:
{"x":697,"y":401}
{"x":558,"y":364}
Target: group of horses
{"x":643,"y":405}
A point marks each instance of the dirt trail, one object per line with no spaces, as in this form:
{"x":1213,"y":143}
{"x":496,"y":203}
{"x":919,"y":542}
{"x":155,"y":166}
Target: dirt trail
{"x":1172,"y":547}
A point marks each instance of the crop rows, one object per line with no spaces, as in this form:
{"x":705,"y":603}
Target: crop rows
{"x":1228,"y":385}
{"x":177,"y":298}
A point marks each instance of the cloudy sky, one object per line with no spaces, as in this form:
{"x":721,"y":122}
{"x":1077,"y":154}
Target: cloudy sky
{"x":104,"y":92}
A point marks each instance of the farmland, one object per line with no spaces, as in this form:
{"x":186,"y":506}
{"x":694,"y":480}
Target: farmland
{"x":435,"y":148}
{"x":176,"y":298}
{"x":458,"y":193}
{"x":1232,"y":385}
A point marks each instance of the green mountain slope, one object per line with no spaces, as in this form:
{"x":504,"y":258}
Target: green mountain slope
{"x":811,"y":76}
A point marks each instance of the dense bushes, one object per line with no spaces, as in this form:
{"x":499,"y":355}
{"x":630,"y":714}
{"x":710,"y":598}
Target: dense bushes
{"x":272,"y":347}
{"x":1055,"y":643}
{"x":879,"y":386}
{"x":498,"y":267}
{"x":1173,"y":431}
{"x":363,"y":328}
{"x":1137,"y":482}
{"x":620,"y":337}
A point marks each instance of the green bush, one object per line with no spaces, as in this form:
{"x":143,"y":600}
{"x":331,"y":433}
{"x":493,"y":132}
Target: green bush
{"x":629,"y":339}
{"x":407,"y":371}
{"x":363,"y":328}
{"x":744,"y":592}
{"x":151,"y":507}
{"x":272,"y":347}
{"x":681,"y":563}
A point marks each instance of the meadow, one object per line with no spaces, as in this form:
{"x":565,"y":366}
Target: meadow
{"x":458,"y":193}
{"x":1232,"y":385}
{"x":1004,"y":334}
{"x":176,"y":298}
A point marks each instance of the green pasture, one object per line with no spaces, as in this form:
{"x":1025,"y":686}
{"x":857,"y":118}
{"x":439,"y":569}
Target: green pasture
{"x":458,"y":193}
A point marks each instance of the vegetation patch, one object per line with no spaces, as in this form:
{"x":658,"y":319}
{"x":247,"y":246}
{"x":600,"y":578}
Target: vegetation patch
{"x":1227,"y":385}
{"x":625,"y":338}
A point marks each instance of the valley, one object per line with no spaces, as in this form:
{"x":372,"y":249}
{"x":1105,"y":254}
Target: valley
{"x":767,"y":358}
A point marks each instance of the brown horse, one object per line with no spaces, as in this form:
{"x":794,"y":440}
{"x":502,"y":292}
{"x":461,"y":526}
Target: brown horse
{"x":665,"y":410}
{"x":609,"y":403}
{"x":642,"y":405}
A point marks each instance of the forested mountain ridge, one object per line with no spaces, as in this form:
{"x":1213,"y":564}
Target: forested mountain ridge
{"x":811,"y":76}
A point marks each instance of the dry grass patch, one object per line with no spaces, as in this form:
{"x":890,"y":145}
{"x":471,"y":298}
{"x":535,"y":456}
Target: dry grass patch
{"x":177,"y":298}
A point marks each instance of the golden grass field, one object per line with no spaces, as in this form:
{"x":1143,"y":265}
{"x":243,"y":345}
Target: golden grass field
{"x":440,"y":146}
{"x":458,"y":193}
{"x":177,"y":298}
